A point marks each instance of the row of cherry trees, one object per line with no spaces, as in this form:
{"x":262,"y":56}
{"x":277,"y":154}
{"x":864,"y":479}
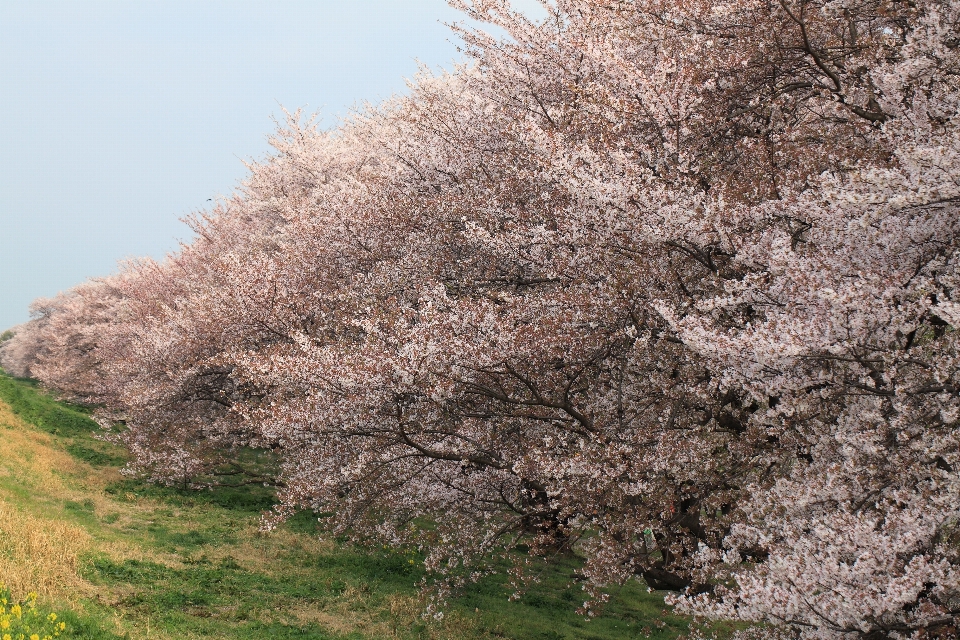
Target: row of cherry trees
{"x":672,"y":282}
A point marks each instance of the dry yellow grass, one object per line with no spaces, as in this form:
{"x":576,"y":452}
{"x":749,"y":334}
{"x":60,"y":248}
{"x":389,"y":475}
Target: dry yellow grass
{"x":26,"y":454}
{"x":39,"y":555}
{"x":36,"y":553}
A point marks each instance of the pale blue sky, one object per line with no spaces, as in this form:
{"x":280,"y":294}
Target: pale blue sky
{"x":119,"y":117}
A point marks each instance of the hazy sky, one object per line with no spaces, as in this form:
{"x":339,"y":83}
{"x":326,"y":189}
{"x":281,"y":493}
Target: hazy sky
{"x":119,"y":117}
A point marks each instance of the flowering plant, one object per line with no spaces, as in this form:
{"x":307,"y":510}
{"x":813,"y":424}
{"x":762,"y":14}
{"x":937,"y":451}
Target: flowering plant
{"x":23,"y":620}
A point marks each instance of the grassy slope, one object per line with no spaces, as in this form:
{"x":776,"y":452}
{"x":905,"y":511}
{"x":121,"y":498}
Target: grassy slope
{"x":127,"y":559}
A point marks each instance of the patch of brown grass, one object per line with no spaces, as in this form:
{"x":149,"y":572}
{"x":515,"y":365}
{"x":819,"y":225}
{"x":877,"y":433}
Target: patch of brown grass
{"x":36,"y":553}
{"x":406,"y":612}
{"x":39,"y":555}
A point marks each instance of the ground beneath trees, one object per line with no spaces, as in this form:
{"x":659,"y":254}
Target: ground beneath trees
{"x":120,"y":558}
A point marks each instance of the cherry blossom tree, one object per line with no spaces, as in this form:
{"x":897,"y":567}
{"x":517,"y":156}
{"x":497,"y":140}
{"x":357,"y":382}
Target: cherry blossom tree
{"x":670,"y":283}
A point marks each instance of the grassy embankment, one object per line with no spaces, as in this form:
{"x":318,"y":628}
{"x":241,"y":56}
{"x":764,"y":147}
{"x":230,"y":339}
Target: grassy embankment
{"x":120,"y":558}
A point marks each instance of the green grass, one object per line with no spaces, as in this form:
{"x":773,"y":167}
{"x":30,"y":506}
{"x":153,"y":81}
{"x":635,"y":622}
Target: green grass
{"x":40,"y":410}
{"x":166,"y":563}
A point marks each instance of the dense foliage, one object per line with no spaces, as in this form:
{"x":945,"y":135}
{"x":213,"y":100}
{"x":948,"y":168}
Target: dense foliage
{"x":671,"y":281}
